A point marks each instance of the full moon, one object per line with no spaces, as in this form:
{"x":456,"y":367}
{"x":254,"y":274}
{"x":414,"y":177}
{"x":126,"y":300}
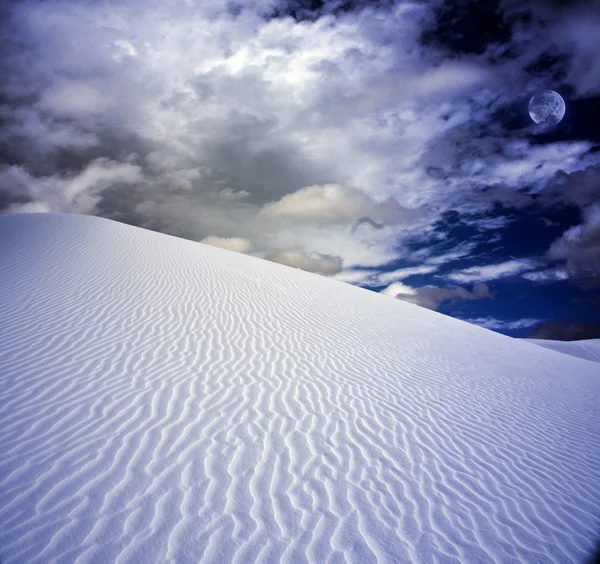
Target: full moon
{"x":547,"y":107}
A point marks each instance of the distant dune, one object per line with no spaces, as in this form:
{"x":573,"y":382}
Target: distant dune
{"x":167,"y":401}
{"x":587,"y":349}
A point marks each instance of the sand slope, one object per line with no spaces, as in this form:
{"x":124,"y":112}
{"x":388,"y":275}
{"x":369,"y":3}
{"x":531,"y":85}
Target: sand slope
{"x":588,"y":349}
{"x":166,"y":401}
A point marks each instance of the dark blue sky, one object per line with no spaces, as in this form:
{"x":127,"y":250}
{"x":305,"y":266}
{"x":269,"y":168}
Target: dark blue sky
{"x":386,"y":144}
{"x":514,"y":297}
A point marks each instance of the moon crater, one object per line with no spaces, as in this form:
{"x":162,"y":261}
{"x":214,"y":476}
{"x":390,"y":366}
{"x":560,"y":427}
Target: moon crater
{"x":547,"y":107}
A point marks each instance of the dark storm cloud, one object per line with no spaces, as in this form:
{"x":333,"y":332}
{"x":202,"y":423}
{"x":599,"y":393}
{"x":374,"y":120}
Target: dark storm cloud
{"x":72,"y":101}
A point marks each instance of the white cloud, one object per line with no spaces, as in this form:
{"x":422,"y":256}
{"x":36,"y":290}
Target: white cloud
{"x":489,"y":223}
{"x":334,"y":204}
{"x":77,"y":193}
{"x":503,"y":324}
{"x":359,"y":277}
{"x":328,"y":204}
{"x":428,"y":256}
{"x":400,"y":274}
{"x":397,"y":288}
{"x":77,"y":99}
{"x":548,"y":275}
{"x":123,"y":49}
{"x":237,"y":244}
{"x":378,"y":278}
{"x":32,"y":207}
{"x":451,"y":78}
{"x":492,"y":271}
{"x":529,"y":164}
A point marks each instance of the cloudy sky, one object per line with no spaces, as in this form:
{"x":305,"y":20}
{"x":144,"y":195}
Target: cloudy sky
{"x":385,"y":144}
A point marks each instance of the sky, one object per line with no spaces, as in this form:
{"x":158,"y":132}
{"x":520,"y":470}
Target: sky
{"x":383,"y":144}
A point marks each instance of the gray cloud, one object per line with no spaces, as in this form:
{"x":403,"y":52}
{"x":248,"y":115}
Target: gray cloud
{"x":72,"y":193}
{"x":565,"y":29}
{"x":566,"y":331}
{"x":327,"y":265}
{"x":362,"y":220}
{"x":431,"y":297}
{"x":579,"y":247}
{"x":579,"y":188}
{"x":196,"y":108}
{"x":480,"y":167}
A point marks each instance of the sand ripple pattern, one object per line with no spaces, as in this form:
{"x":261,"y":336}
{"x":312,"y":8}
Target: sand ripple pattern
{"x":165,"y":401}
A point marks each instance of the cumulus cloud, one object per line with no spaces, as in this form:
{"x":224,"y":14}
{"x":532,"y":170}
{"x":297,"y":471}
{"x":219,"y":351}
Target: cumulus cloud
{"x":492,"y":271}
{"x":333,"y":204}
{"x":398,"y":288}
{"x":431,"y":297}
{"x":70,"y":193}
{"x":237,"y":244}
{"x":207,"y":119}
{"x":212,"y":116}
{"x":327,"y":265}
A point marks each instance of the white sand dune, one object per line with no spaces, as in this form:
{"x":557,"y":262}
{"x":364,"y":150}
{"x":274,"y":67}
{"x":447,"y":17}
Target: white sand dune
{"x":588,"y":349}
{"x":167,"y":401}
